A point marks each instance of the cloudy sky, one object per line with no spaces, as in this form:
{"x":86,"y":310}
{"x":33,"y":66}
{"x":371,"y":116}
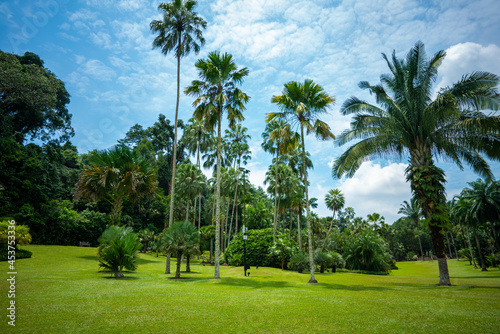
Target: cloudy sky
{"x":102,"y":50}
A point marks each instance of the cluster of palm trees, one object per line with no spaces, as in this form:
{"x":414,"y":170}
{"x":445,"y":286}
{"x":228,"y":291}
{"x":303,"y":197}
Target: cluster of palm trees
{"x":410,"y":121}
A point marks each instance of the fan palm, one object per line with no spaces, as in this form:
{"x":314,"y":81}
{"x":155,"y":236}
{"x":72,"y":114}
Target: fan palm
{"x":115,"y":175}
{"x":411,"y":123}
{"x":216,"y":92}
{"x":181,"y":238}
{"x":179,"y":31}
{"x":412,"y":214}
{"x":301,"y":105}
{"x":334,"y":201}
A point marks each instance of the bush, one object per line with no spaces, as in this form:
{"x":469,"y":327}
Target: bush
{"x":337,"y":261}
{"x":118,"y":249}
{"x":367,"y":251}
{"x":22,"y":237}
{"x":322,"y":260}
{"x":410,"y":256}
{"x":299,"y":262}
{"x":493,"y":260}
{"x":261,"y":251}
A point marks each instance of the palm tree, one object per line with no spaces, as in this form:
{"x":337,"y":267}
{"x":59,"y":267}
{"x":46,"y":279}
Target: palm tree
{"x":302,"y":104}
{"x":278,"y":137}
{"x":485,"y":203}
{"x":197,"y":140}
{"x":179,"y":31}
{"x":460,"y":210}
{"x":216,"y":92}
{"x":191,"y":181}
{"x":412,"y":214}
{"x":179,"y":239}
{"x":334,"y":201}
{"x":411,"y":123}
{"x":115,"y":175}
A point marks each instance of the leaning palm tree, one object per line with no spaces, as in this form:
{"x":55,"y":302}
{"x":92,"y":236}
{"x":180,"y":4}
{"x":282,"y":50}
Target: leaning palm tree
{"x":278,"y":138}
{"x":179,"y":31}
{"x":411,"y":123}
{"x":412,"y":214}
{"x":334,"y":201}
{"x":216,"y":92}
{"x":114,"y":176}
{"x":301,"y":105}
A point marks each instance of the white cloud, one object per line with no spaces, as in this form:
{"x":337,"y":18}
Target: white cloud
{"x":96,"y":69}
{"x":377,"y":189}
{"x":465,"y":58}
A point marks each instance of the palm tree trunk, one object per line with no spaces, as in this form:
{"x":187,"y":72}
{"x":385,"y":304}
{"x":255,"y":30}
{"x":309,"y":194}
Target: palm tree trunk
{"x":448,"y":242}
{"x":328,"y":233}
{"x":454,"y":246}
{"x":481,"y":259}
{"x":470,"y":249}
{"x":424,"y":175}
{"x":174,"y":153}
{"x":178,"y":269}
{"x":419,"y":241}
{"x":494,"y":235}
{"x":188,"y":265}
{"x":308,"y":218}
{"x":291,"y":225}
{"x":217,"y":212}
{"x":300,"y":233}
{"x":276,"y":195}
{"x":187,"y":209}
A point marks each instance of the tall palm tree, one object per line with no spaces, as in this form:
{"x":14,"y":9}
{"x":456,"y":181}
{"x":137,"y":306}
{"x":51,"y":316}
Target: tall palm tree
{"x":197,"y":140}
{"x":179,"y":31}
{"x":412,"y":214}
{"x":411,"y":123}
{"x":301,"y":105}
{"x":334,"y":201}
{"x":278,"y":138}
{"x":216,"y":92}
{"x":115,"y":175}
{"x":191,"y":181}
{"x":460,"y":211}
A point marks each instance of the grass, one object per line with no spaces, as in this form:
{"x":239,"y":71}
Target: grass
{"x":60,"y":291}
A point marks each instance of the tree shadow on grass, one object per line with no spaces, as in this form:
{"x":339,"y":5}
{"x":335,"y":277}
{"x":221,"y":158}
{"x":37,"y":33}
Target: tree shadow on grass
{"x":88,"y":257}
{"x":258,"y":284}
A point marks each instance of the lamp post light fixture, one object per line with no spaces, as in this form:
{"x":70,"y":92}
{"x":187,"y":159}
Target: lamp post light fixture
{"x":245,"y":229}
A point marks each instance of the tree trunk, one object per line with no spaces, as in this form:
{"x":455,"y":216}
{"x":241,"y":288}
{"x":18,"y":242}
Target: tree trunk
{"x":419,"y":241}
{"x":448,"y":242}
{"x":217,"y":212}
{"x":308,"y":218}
{"x":276,"y":195}
{"x":187,"y":210}
{"x":188,"y":265}
{"x":454,"y":246}
{"x":328,"y":233}
{"x":300,"y":233}
{"x":481,"y":259}
{"x":178,"y":270}
{"x":470,"y":249}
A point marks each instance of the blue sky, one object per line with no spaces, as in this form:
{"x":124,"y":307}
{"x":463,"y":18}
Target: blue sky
{"x":102,"y":50}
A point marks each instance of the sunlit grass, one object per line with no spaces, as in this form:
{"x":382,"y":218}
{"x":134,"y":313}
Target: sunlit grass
{"x":60,"y":290}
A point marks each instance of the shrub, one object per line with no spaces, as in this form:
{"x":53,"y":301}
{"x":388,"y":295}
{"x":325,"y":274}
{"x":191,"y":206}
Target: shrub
{"x":493,"y":260}
{"x":118,"y":250}
{"x":337,"y":261}
{"x":322,"y":260}
{"x":410,"y":256}
{"x":22,"y":237}
{"x":261,"y":251}
{"x":367,"y":251}
{"x":299,"y":262}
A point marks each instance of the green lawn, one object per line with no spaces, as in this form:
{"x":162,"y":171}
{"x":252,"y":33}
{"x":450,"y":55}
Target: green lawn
{"x":60,"y":291}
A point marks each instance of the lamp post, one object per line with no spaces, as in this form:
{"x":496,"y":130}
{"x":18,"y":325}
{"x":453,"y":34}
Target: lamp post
{"x":244,"y":228}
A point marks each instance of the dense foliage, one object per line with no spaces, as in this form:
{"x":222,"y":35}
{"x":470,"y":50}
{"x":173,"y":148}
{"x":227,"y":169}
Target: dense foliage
{"x":261,"y":251}
{"x":118,"y":249}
